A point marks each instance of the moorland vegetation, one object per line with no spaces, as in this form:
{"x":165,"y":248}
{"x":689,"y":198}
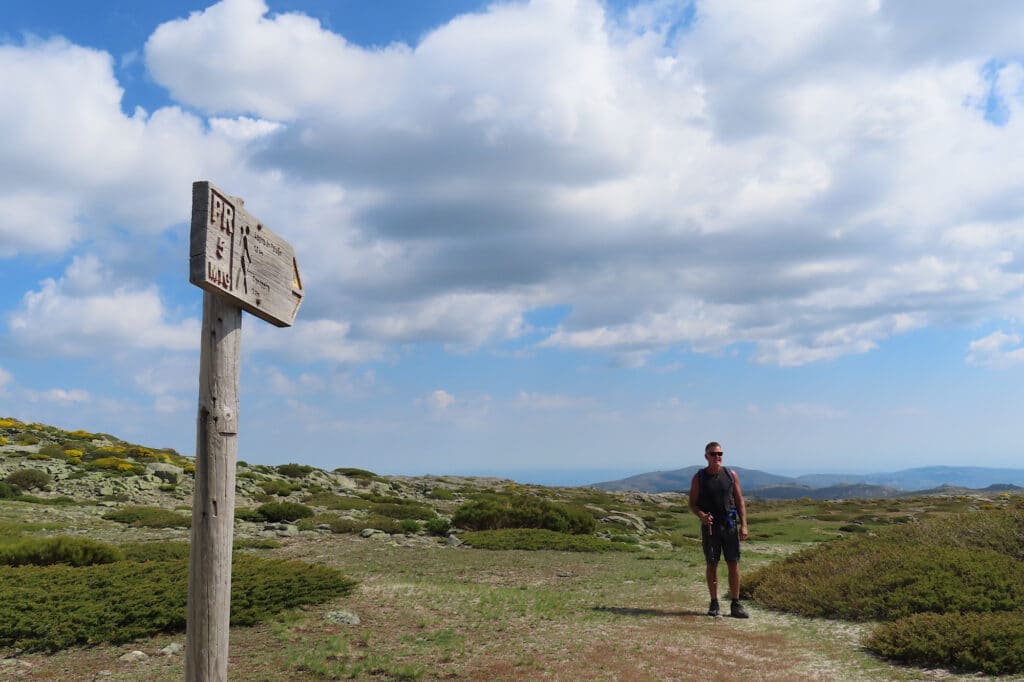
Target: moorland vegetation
{"x":934,"y":580}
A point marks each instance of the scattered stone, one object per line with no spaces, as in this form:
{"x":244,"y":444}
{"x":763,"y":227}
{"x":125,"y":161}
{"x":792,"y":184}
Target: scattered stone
{"x":133,"y":656}
{"x":342,"y":618}
{"x":371,"y":532}
{"x":452,"y":541}
{"x":565,"y":574}
{"x":14,"y":663}
{"x":172,"y":649}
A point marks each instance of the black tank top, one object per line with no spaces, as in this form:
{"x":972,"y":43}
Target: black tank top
{"x":716,"y":493}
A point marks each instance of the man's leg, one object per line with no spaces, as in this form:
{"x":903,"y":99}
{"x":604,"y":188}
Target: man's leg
{"x":712,"y":576}
{"x":736,"y":610}
{"x":734,"y":578}
{"x":711,"y":572}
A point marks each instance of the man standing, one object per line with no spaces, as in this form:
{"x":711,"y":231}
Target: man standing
{"x":716,"y":499}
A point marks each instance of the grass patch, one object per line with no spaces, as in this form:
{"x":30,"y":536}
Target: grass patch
{"x":149,"y":517}
{"x":537,"y":538}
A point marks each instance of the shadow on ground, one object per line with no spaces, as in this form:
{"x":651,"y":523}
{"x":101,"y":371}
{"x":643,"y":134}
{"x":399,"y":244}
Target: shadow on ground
{"x":630,"y":611}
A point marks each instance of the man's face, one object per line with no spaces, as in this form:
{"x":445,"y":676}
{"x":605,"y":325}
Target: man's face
{"x":714,"y":454}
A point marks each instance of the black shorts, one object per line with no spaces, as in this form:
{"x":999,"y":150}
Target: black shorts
{"x":721,"y":540}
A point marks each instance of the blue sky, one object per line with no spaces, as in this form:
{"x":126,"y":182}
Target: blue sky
{"x":559,"y":240}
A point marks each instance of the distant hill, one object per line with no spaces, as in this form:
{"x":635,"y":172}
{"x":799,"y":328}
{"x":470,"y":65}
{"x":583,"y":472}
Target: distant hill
{"x":678,"y":480}
{"x":920,"y":480}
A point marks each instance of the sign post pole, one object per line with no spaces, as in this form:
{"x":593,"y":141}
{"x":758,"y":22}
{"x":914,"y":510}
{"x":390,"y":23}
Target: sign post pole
{"x":241,"y":265}
{"x":213,"y":502}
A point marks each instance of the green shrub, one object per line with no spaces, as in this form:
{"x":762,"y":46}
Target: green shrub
{"x":8,"y":491}
{"x":410,"y":526}
{"x":248,"y":514}
{"x":55,"y":607}
{"x":256,"y":543}
{"x":359,"y":474}
{"x":437,"y":526}
{"x":441,"y":494}
{"x":167,"y":476}
{"x":149,"y":517}
{"x":988,"y":643}
{"x":59,"y":550}
{"x":155,"y":551}
{"x":29,"y":479}
{"x":279,"y":487}
{"x":27,"y":439}
{"x":536,"y":539}
{"x":336,"y":502}
{"x":522,"y":511}
{"x":382,"y":523}
{"x":284,"y":511}
{"x":885,"y":582}
{"x":405,"y":510}
{"x":295,"y":470}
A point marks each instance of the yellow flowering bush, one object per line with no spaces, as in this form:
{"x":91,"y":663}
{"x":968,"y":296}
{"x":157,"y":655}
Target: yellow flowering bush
{"x":7,"y":422}
{"x":114,"y":464}
{"x":81,"y":435}
{"x":72,"y":453}
{"x":3,"y":440}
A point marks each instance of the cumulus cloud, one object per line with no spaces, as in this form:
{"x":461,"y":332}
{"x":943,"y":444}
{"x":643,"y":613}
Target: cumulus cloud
{"x":998,"y":349}
{"x":88,"y":312}
{"x":438,"y":400}
{"x":753,"y":176}
{"x":802,"y":182}
{"x":6,"y":378}
{"x":59,"y":395}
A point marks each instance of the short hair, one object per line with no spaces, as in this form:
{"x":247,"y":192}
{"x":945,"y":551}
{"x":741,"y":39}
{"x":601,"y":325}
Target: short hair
{"x":712,"y":444}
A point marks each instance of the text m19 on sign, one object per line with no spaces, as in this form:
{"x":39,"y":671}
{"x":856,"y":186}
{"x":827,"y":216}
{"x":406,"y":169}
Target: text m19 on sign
{"x":234,"y":255}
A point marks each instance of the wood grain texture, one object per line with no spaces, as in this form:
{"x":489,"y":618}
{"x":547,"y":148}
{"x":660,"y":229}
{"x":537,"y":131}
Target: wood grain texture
{"x":235,"y":255}
{"x":213,"y":501}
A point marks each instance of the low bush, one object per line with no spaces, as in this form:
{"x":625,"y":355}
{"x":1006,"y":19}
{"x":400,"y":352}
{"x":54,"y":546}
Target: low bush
{"x":536,"y":538}
{"x":405,"y":510}
{"x":256,"y":543}
{"x":279,"y":487}
{"x":149,"y":517}
{"x":29,"y":479}
{"x":437,"y":526}
{"x":295,"y":470}
{"x":250,"y":514}
{"x":988,"y":643}
{"x":496,"y":512}
{"x":382,"y":523}
{"x":441,"y":494}
{"x":359,"y":474}
{"x":155,"y":551}
{"x":8,"y":491}
{"x":55,"y":607}
{"x":59,"y":550}
{"x":870,"y":581}
{"x":284,"y":511}
{"x":337,"y":502}
{"x":411,"y":526}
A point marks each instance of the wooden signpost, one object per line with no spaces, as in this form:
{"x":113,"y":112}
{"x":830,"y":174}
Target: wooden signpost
{"x":241,"y":265}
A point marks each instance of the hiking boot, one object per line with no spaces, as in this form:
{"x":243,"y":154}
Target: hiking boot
{"x":713,"y":609}
{"x":737,"y":610}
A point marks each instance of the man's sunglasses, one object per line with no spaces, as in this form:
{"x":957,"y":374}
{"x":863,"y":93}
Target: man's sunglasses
{"x":715,"y":454}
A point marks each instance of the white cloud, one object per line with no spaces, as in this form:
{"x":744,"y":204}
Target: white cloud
{"x":998,"y":349}
{"x":59,"y":395}
{"x":438,"y":400}
{"x":6,"y":378}
{"x":88,"y":311}
{"x":803,"y":181}
{"x":551,"y":401}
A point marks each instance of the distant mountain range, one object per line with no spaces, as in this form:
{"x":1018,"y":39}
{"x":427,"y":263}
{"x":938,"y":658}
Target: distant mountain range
{"x":917,"y":481}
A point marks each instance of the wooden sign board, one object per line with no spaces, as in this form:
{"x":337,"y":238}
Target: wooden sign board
{"x":234,"y":255}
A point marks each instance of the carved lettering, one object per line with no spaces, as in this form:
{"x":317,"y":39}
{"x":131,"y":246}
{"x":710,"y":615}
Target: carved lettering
{"x":218,"y":276}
